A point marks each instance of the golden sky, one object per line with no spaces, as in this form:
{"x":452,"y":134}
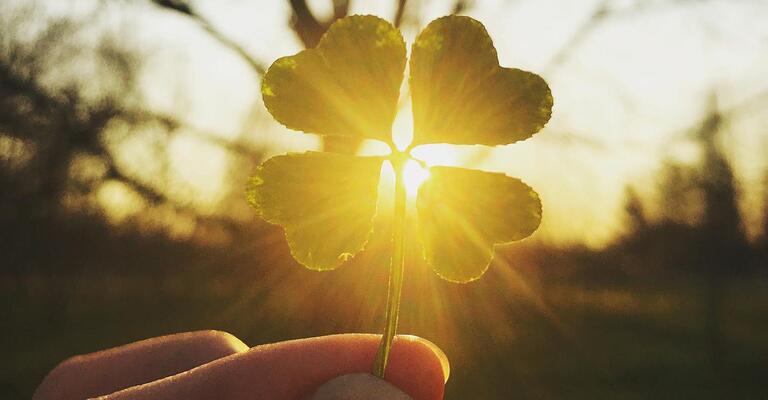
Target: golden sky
{"x":626,"y":91}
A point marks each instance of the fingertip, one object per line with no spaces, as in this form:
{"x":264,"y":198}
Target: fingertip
{"x":221,"y":342}
{"x":418,"y":367}
{"x":442,"y":359}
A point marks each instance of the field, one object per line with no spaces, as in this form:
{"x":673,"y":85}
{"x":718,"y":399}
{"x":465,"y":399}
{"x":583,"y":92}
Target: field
{"x":597,"y":342}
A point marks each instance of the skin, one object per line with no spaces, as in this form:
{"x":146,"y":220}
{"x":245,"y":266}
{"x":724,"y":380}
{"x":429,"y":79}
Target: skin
{"x":212,"y":364}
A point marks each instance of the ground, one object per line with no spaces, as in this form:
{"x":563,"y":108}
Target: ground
{"x":594,"y":342}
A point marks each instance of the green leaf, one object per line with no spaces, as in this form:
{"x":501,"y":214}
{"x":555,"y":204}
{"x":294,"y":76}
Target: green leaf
{"x":462,"y":96}
{"x":325,"y":202}
{"x":462,"y":213}
{"x":348,"y":85}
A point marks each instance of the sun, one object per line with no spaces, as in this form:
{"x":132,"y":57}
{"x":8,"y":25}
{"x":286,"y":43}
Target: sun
{"x":414,"y":175}
{"x":420,"y":158}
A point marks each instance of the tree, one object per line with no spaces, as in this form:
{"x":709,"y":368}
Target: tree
{"x":724,"y":250}
{"x":764,"y":232}
{"x":680,"y":197}
{"x":635,"y":211}
{"x":56,"y":131}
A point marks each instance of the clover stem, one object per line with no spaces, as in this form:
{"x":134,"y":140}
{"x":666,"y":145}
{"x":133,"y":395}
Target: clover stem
{"x":395,"y":272}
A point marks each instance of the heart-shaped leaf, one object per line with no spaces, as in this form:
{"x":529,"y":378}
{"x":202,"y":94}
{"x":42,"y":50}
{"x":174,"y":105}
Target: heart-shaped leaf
{"x":325,"y":202}
{"x":463,"y":213}
{"x":462,"y":96}
{"x":348,"y":85}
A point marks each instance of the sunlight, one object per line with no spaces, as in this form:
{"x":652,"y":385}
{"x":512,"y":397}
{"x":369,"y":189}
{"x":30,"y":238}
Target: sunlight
{"x":402,"y":127}
{"x":119,"y":202}
{"x":442,"y":154}
{"x":414,"y":175}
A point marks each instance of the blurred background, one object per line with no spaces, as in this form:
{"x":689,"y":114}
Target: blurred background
{"x":128,"y":130}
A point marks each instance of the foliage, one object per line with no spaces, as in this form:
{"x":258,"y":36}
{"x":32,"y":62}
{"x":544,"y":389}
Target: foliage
{"x":349,"y":85}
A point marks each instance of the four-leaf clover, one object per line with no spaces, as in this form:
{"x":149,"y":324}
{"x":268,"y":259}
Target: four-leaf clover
{"x":349,"y":86}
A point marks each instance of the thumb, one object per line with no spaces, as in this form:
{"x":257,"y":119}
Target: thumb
{"x":359,"y":386}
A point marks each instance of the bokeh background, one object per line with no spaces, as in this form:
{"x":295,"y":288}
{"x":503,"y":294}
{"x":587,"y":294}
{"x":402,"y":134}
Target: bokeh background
{"x":128,"y":129}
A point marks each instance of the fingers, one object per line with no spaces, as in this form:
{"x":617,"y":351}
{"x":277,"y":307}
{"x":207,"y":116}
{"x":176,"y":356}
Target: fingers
{"x":293,"y":370}
{"x":107,"y":371}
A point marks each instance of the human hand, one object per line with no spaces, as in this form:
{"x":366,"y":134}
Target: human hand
{"x":217,"y":365}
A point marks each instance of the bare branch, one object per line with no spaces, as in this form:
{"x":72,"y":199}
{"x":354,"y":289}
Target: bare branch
{"x":460,"y":6}
{"x":582,"y":33}
{"x":146,"y":191}
{"x":399,"y":12}
{"x":340,"y":9}
{"x":185,"y":8}
{"x":309,"y":29}
{"x":175,"y":126}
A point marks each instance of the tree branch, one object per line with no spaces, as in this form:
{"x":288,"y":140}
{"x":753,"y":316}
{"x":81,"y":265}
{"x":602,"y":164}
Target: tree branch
{"x":184,"y":8}
{"x":309,"y":29}
{"x":399,"y":13}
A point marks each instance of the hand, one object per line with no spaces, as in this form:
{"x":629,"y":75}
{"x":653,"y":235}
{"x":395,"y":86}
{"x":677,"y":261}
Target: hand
{"x":217,"y":365}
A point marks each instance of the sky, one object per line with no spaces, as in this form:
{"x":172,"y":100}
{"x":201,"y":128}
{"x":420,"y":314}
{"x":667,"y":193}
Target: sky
{"x":626,"y":92}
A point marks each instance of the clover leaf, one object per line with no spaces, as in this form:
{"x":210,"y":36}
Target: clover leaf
{"x":462,"y":96}
{"x":463,"y":213}
{"x":349,"y":85}
{"x":326,"y":215}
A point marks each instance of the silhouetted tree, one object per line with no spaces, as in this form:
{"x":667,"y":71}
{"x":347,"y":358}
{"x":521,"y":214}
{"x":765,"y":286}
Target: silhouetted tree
{"x":763,"y":240}
{"x":58,"y":136}
{"x":680,"y":199}
{"x":700,"y":227}
{"x":55,"y":123}
{"x":724,"y":249}
{"x":635,"y":211}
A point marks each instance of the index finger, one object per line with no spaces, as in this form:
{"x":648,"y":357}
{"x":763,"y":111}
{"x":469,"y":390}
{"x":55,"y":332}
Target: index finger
{"x":114,"y":369}
{"x":293,"y":370}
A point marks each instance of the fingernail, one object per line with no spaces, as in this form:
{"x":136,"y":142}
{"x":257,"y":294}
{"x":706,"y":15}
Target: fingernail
{"x":438,"y":353}
{"x":359,"y":387}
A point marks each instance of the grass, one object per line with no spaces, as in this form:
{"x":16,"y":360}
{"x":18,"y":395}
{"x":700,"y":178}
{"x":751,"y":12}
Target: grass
{"x":606,"y":342}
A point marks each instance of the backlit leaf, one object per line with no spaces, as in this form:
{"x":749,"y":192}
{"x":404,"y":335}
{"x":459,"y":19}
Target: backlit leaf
{"x":347,"y":85}
{"x":462,"y":96}
{"x":462,"y":213}
{"x":325,"y":202}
